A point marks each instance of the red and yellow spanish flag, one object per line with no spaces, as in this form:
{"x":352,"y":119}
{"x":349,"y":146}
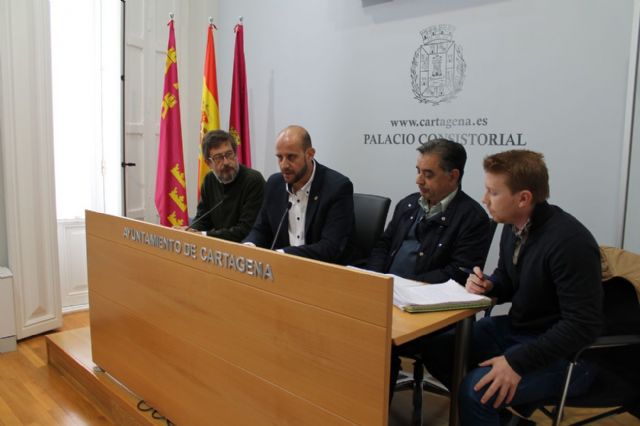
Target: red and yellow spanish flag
{"x":239,"y":117}
{"x":210,"y":117}
{"x":171,"y":187}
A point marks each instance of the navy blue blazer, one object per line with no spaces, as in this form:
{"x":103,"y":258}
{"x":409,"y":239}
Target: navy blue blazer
{"x":329,"y":218}
{"x":459,"y":237}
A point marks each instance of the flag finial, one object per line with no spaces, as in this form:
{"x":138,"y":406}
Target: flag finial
{"x":210,"y":20}
{"x":240,"y":19}
{"x":171,"y":15}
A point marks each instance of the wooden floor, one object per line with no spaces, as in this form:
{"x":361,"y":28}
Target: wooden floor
{"x":34,"y":393}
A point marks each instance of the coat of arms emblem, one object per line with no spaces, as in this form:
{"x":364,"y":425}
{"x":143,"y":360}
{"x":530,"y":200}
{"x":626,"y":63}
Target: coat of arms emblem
{"x":438,"y":68}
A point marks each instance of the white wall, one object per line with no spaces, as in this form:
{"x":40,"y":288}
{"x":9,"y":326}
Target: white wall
{"x":3,"y":222}
{"x":554,"y":71}
{"x":7,"y":314}
{"x":632,"y":221}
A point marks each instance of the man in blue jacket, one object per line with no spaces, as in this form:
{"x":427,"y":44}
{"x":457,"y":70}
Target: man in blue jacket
{"x":438,"y":230}
{"x":434,"y":232}
{"x":308,"y":207}
{"x":549,"y":269}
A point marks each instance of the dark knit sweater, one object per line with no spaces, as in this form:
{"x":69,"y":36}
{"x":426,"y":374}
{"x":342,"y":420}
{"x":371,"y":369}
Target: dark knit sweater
{"x":233,"y":219}
{"x":555,"y":288}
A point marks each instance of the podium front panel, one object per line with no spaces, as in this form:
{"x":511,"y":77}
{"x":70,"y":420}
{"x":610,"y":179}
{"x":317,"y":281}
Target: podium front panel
{"x":209,"y":331}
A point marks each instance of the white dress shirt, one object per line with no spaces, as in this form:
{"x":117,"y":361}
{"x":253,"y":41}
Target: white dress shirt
{"x":298,"y":210}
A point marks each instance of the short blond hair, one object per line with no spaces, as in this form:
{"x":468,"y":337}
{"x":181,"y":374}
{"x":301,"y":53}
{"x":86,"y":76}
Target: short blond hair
{"x":524,"y":169}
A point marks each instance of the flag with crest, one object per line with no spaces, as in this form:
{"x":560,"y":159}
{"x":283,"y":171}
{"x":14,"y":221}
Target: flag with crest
{"x":210,"y":117}
{"x":171,"y":187}
{"x":239,"y":117}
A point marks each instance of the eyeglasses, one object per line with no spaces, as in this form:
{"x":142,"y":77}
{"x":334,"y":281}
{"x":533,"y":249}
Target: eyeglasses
{"x":219,"y":159}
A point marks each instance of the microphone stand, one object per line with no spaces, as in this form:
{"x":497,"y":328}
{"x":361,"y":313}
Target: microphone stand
{"x":207,"y":213}
{"x":275,"y":237}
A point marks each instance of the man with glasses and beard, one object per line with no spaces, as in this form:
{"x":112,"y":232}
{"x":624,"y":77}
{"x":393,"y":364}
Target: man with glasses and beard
{"x":231,"y":195}
{"x":308,"y":208}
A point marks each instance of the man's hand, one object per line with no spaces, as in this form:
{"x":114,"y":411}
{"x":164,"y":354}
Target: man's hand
{"x":186,"y":228}
{"x":501,"y":378}
{"x":477,"y":283}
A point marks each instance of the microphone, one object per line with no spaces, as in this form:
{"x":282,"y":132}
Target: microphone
{"x":275,"y":237}
{"x":207,"y":213}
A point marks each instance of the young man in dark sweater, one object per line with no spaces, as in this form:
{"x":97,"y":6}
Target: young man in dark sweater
{"x":231,"y":195}
{"x":549,"y":269}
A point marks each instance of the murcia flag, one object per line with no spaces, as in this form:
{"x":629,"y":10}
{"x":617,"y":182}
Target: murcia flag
{"x":210,"y":117}
{"x":239,"y":117}
{"x":171,"y":188}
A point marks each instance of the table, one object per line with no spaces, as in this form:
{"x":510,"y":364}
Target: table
{"x":406,"y":327}
{"x":197,"y":325}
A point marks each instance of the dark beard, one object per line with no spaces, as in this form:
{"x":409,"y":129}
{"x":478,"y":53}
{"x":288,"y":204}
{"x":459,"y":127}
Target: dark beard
{"x":228,"y":177}
{"x":300,"y":174}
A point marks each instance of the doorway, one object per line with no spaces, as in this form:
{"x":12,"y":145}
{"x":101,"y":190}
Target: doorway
{"x":86,"y":46}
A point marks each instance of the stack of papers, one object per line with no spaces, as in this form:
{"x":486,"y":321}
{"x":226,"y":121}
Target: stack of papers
{"x":414,"y":296}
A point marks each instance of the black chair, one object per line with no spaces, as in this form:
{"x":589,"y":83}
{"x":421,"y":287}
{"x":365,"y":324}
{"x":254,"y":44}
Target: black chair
{"x":616,"y":352}
{"x":370,"y":213}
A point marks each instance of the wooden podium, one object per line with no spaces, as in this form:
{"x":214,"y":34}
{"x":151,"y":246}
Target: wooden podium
{"x":213,"y":332}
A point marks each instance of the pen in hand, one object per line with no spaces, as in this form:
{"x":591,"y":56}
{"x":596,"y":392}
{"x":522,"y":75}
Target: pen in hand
{"x":470,"y":272}
{"x":475,"y":283}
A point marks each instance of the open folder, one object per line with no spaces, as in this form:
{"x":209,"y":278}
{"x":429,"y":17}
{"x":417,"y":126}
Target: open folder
{"x":415,"y":296}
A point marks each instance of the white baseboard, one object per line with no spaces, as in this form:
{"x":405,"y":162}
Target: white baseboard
{"x":8,"y":344}
{"x":75,"y":308}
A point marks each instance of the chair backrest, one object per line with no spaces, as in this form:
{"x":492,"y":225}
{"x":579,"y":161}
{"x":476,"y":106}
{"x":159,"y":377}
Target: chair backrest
{"x":621,"y":308}
{"x":621,"y":311}
{"x":370,"y":213}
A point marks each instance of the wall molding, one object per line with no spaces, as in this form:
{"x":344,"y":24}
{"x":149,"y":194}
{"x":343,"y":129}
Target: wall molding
{"x":72,"y":255}
{"x":26,"y":132}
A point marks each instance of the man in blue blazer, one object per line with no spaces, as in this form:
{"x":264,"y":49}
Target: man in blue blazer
{"x":434,"y":233}
{"x":308,"y":208}
{"x":440,"y":229}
